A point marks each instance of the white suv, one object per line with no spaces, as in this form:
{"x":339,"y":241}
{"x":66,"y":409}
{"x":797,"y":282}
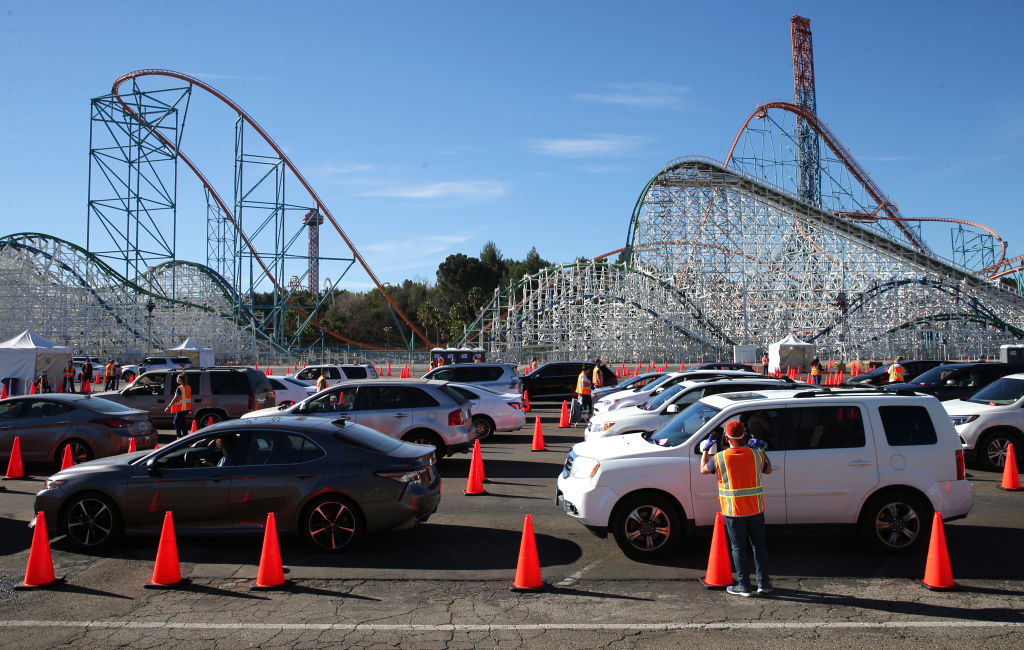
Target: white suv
{"x":622,"y":399}
{"x":881,"y":462}
{"x":654,"y":413}
{"x":335,"y":374}
{"x":991,"y":420}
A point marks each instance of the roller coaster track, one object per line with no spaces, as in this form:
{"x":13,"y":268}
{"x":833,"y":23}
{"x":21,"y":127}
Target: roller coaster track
{"x":228,"y":213}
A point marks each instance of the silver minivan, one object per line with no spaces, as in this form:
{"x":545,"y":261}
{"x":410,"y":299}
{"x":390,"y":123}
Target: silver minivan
{"x":499,"y":377}
{"x":414,"y":410}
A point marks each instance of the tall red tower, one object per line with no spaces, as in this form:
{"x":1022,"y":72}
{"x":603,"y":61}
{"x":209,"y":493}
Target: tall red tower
{"x":809,"y":186}
{"x":314,"y":219}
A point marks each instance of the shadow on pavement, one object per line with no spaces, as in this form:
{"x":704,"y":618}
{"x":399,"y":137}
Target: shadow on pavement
{"x":15,"y":535}
{"x":1000,"y":614}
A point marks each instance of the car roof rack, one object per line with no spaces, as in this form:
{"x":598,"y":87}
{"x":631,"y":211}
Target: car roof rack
{"x":866,"y":390}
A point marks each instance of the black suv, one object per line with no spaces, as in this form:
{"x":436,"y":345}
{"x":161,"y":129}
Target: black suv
{"x":880,"y":375}
{"x":557,"y":380}
{"x":956,"y":380}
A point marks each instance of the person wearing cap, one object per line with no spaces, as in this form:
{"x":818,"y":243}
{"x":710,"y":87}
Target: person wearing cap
{"x":740,"y":495}
{"x":44,"y":383}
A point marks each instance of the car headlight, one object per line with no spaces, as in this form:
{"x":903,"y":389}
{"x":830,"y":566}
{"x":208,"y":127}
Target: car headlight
{"x":54,"y":483}
{"x":960,"y":420}
{"x":584,"y":467}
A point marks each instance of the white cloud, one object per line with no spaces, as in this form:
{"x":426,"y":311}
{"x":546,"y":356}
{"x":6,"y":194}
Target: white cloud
{"x":602,"y":145}
{"x":427,"y":246}
{"x":640,"y":95}
{"x":477,"y":190}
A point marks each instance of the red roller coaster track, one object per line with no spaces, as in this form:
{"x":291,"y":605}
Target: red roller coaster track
{"x":227,"y":213}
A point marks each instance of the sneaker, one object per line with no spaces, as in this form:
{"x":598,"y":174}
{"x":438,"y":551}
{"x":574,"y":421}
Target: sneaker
{"x":738,"y":591}
{"x":766,"y":589}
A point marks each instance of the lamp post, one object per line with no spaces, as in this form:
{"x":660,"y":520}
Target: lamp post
{"x":387,"y":340}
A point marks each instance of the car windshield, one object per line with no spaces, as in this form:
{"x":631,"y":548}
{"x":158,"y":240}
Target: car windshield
{"x":681,"y":427}
{"x":654,"y":384}
{"x":1002,"y":392}
{"x":295,"y":382}
{"x":666,"y":396}
{"x":935,"y":376}
{"x":106,"y":406}
{"x":365,"y":437}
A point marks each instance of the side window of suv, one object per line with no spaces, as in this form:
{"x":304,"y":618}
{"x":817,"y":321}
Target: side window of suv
{"x":769,"y":425}
{"x":827,"y":427}
{"x":333,"y":373}
{"x":379,"y":398}
{"x":194,"y":382}
{"x":444,"y":374}
{"x":907,"y":425}
{"x":418,"y":398}
{"x":308,"y":374}
{"x":355,"y":372}
{"x":228,"y":383}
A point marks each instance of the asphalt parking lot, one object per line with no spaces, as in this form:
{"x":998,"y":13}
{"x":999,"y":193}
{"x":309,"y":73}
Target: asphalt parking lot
{"x":445,"y":583}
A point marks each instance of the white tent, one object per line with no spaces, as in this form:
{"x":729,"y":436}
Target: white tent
{"x":27,"y":355}
{"x":790,"y":352}
{"x":201,"y":357}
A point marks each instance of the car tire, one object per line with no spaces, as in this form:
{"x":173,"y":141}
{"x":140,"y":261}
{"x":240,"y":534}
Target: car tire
{"x":895,"y":522}
{"x":647,"y":526}
{"x":80,"y":451}
{"x":91,"y":521}
{"x":992,"y":447}
{"x":332,"y":523}
{"x":129,"y":377}
{"x":484,"y":426}
{"x":204,"y":417}
{"x":425,"y":437}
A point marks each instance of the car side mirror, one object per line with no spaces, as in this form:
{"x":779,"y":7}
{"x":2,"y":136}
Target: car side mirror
{"x":672,"y":408}
{"x":951,"y":382}
{"x":151,"y":467}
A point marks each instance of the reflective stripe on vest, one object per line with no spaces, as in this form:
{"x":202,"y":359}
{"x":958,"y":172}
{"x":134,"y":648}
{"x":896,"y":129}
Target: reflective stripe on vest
{"x":815,"y":370}
{"x":896,"y":373}
{"x":582,"y":384}
{"x":740,"y":492}
{"x":183,"y":403}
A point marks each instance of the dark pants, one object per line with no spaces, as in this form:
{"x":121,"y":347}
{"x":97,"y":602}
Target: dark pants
{"x":587,"y":402}
{"x":816,"y":380}
{"x":109,"y":383}
{"x":68,"y":384}
{"x":181,"y":422}
{"x":744,"y":531}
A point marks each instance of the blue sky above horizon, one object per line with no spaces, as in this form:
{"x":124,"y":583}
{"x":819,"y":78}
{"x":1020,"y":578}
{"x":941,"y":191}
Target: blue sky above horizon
{"x":430,"y":128}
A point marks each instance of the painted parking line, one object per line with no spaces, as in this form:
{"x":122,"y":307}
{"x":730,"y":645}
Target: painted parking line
{"x":525,"y":627}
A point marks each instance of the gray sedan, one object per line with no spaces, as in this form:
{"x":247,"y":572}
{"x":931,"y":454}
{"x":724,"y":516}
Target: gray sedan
{"x":328,"y":480}
{"x":92,"y":427}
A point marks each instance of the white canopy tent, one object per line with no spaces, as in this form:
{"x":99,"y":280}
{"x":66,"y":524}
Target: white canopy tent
{"x":791,"y":352}
{"x":26,"y":356}
{"x":202,"y":357}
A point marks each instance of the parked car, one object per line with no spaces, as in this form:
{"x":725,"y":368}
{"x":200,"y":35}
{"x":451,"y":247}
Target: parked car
{"x":724,"y":365}
{"x":989,"y":421}
{"x":654,"y":413}
{"x":557,"y":380}
{"x":955,"y":380}
{"x":217,"y":393}
{"x":880,"y":375}
{"x":289,"y":390}
{"x":91,"y":426}
{"x":638,"y":396}
{"x":492,"y":411}
{"x":131,"y":371}
{"x":415,"y":410}
{"x":500,"y":377}
{"x":336,"y":373}
{"x":331,"y":482}
{"x":97,"y":368}
{"x":632,"y":383}
{"x":879,"y":461}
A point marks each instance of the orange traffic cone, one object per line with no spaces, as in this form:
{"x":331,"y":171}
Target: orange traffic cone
{"x":528,"y":568}
{"x":938,"y":576}
{"x":14,"y":468}
{"x":3,"y":391}
{"x":209,"y":421}
{"x":32,"y":389}
{"x":271,"y":573}
{"x":39,"y":571}
{"x":166,"y":572}
{"x":132,"y":448}
{"x":475,"y":482}
{"x":719,"y":573}
{"x":563,"y":421}
{"x":60,"y":386}
{"x":67,"y":460}
{"x":1011,"y":480}
{"x":526,"y":401}
{"x":538,"y":436}
{"x":194,"y":427}
{"x":389,"y":368}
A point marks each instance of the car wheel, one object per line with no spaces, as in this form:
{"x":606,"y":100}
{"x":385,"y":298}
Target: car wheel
{"x":332,"y":523}
{"x":80,"y":452}
{"x":128,"y":377}
{"x":647,"y":526}
{"x":484,"y":426}
{"x":206,"y":418}
{"x":424,"y":437}
{"x":993,"y":447}
{"x":895,"y":522}
{"x":91,"y":521}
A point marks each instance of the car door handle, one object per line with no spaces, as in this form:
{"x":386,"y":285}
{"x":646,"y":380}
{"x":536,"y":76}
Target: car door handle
{"x":401,"y":415}
{"x":860,"y":463}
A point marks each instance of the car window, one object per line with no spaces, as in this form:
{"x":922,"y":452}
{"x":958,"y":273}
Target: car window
{"x":416,"y":397}
{"x":679,"y":429}
{"x":151,"y":383}
{"x":827,"y":427}
{"x":228,"y":383}
{"x":456,"y":397}
{"x":45,"y":409}
{"x":277,"y":385}
{"x":377,"y":398}
{"x":468,"y":394}
{"x":444,"y":374}
{"x":1002,"y":392}
{"x":367,"y":438}
{"x":334,"y":400}
{"x":293,"y":382}
{"x":355,"y":372}
{"x":308,"y":373}
{"x":666,"y":396}
{"x":333,"y":373}
{"x":907,"y":425}
{"x":276,"y":448}
{"x":11,"y":409}
{"x":210,"y":450}
{"x":107,"y":406}
{"x":935,"y":376}
{"x":769,"y":425}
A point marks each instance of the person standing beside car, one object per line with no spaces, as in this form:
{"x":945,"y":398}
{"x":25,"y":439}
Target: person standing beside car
{"x":44,"y":383}
{"x":597,"y":379}
{"x":741,"y":497}
{"x":897,"y":373}
{"x":583,"y":390}
{"x":86,"y":375}
{"x":181,"y":406}
{"x":816,"y":372}
{"x":68,"y":383}
{"x":321,"y":382}
{"x":108,"y":375}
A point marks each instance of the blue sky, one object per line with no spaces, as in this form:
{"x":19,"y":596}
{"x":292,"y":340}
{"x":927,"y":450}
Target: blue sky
{"x":429,"y":128}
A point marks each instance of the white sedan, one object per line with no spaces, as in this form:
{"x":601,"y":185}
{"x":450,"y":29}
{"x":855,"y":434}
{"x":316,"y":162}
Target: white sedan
{"x":290,"y":390}
{"x":492,"y":411}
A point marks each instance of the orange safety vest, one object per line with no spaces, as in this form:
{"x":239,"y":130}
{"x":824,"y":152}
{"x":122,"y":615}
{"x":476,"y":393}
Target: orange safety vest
{"x":108,"y":371}
{"x":815,"y":370}
{"x":321,"y":383}
{"x":896,"y":373}
{"x":69,"y":371}
{"x":739,"y":481}
{"x":598,"y":380}
{"x":184,"y":402}
{"x":582,"y":384}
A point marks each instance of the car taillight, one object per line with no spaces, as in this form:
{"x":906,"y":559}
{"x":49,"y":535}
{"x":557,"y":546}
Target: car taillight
{"x":455,"y":418}
{"x":419,"y":475}
{"x":113,"y":423}
{"x":516,"y":405}
{"x":961,"y":467}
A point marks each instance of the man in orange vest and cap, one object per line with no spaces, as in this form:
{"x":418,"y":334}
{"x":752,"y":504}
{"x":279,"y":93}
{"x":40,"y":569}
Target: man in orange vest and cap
{"x":740,"y":494}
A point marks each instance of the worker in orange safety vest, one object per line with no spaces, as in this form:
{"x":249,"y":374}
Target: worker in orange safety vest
{"x":321,"y":383}
{"x":68,"y":385}
{"x":816,"y":372}
{"x":597,"y":378}
{"x":897,"y":373}
{"x":181,"y":406}
{"x":583,"y":390}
